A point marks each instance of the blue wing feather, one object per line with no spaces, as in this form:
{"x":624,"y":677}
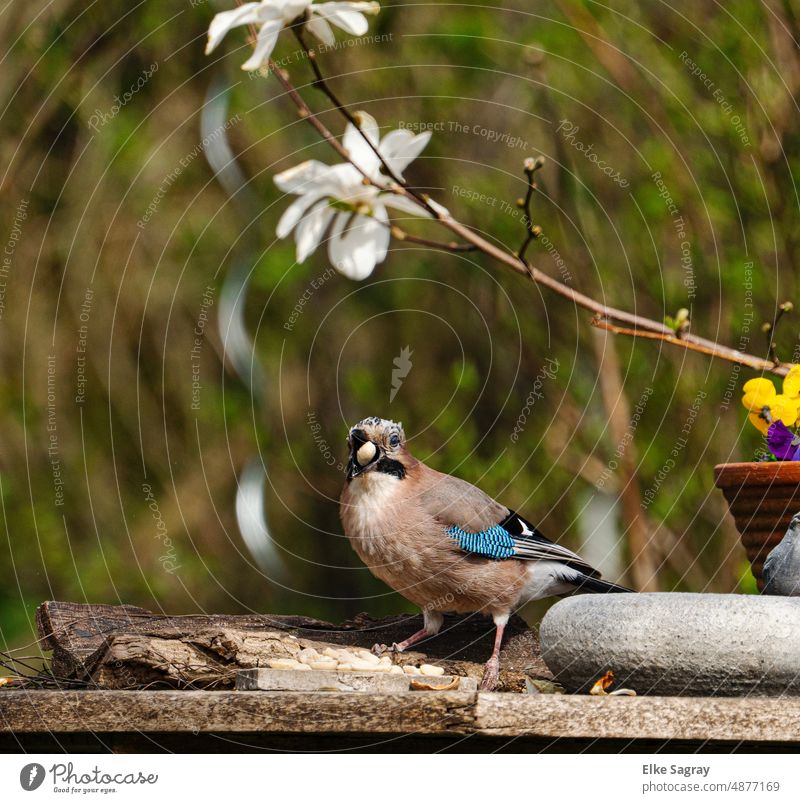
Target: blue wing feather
{"x":495,"y":543}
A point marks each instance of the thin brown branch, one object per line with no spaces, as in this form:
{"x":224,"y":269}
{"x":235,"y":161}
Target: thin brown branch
{"x":538,"y":276}
{"x":700,"y":345}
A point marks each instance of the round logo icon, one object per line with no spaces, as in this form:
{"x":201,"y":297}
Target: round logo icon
{"x":31,"y":777}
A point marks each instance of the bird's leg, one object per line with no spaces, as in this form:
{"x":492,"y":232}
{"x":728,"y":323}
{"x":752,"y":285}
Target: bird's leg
{"x":432,"y":624}
{"x":491,"y":674}
{"x":412,"y":639}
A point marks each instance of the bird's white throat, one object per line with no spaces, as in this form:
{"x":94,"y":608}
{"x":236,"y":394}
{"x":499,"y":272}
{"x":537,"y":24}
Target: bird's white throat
{"x":372,"y":496}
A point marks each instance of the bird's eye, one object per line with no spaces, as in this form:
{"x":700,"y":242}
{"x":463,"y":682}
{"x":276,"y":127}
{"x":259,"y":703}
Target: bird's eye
{"x":394,"y":440}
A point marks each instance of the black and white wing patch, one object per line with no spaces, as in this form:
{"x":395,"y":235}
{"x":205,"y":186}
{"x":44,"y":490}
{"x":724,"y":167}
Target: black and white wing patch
{"x":530,"y":544}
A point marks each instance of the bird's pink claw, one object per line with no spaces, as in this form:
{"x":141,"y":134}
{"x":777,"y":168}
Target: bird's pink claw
{"x":491,"y":675}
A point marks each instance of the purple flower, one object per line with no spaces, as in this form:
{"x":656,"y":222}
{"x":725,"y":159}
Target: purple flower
{"x":782,"y":442}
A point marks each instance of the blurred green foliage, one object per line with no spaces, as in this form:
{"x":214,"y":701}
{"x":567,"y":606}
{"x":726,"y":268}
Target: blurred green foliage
{"x":496,"y":82}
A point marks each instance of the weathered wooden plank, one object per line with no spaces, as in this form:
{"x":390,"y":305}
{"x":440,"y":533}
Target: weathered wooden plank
{"x":316,"y":714}
{"x":235,"y":712}
{"x":750,"y":719}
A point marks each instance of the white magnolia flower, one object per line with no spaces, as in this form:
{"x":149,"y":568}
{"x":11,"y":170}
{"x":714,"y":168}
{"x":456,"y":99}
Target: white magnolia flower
{"x":337,"y":196}
{"x":270,"y":16}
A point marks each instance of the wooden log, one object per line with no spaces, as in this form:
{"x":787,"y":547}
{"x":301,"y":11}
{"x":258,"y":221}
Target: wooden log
{"x":130,"y":647}
{"x":74,"y":631}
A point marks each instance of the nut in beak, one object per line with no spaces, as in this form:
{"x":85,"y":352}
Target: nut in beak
{"x":365,"y":453}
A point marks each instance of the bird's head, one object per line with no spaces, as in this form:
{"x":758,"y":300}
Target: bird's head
{"x":377,"y":445}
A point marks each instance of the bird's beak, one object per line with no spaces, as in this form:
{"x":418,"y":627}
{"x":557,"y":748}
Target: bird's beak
{"x":363,"y":453}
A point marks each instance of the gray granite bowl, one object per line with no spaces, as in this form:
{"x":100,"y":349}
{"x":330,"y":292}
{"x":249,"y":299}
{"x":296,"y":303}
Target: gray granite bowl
{"x":675,"y":643}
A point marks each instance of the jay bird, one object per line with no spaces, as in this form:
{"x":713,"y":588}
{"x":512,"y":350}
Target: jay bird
{"x":782,"y":566}
{"x":444,"y":544}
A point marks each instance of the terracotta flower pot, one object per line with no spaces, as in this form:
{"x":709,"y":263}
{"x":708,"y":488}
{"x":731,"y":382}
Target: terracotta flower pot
{"x":763,"y":498}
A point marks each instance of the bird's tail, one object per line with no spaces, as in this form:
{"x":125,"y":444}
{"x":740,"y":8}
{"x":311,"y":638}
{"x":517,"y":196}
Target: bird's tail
{"x":594,"y":585}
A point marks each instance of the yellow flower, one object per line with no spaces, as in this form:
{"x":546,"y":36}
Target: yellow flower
{"x":766,"y":405}
{"x":785,"y":409}
{"x":761,"y":424}
{"x":791,"y":383}
{"x":758,"y":393}
{"x":780,"y":408}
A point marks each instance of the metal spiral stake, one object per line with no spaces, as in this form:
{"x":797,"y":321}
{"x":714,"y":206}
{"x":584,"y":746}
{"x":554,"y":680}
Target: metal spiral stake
{"x":239,"y":349}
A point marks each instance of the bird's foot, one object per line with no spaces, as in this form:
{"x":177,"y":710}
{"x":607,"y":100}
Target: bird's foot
{"x":491,"y":675}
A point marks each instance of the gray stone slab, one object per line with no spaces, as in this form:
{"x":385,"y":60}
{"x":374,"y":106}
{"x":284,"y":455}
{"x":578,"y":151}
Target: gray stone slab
{"x":676,"y":644}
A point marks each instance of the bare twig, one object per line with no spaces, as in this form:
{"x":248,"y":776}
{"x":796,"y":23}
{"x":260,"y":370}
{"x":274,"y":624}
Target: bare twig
{"x":401,"y":234}
{"x":770,"y":330}
{"x":699,"y":344}
{"x":531,"y":231}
